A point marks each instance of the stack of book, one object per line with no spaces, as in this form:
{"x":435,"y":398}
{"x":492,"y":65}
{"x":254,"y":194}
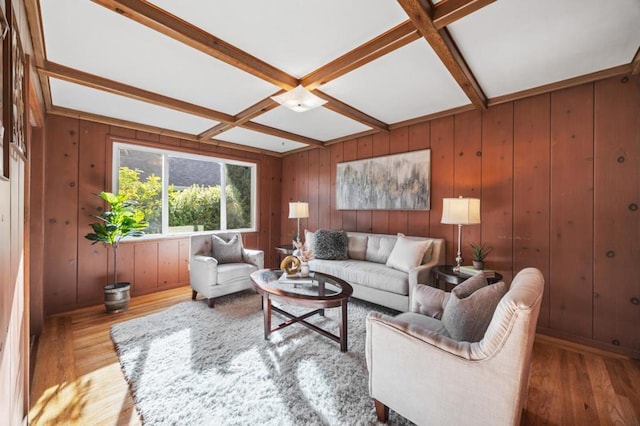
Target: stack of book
{"x":471,"y":271}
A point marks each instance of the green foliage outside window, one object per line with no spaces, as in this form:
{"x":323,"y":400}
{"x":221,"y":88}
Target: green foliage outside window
{"x":195,"y":205}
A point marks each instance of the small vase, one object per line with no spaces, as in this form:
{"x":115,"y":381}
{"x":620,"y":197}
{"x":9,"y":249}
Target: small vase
{"x":478,"y":265}
{"x":304,"y":269}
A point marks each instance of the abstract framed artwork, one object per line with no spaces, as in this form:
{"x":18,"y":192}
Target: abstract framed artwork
{"x":393,"y":182}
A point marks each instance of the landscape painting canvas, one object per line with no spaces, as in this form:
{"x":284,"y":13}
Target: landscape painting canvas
{"x":392,"y":182}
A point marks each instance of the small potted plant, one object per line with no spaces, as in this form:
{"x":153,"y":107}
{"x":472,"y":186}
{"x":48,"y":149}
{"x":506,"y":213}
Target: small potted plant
{"x":480,"y":252}
{"x":122,"y":220}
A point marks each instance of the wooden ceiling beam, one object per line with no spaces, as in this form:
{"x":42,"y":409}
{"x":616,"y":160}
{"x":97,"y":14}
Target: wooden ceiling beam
{"x":635,"y":63}
{"x":51,"y":69}
{"x":449,"y":11}
{"x":81,"y":115}
{"x":32,"y":8}
{"x":259,"y":108}
{"x":419,"y":12}
{"x":153,"y":17}
{"x":389,"y":41}
{"x":340,"y":107}
{"x":251,"y":125}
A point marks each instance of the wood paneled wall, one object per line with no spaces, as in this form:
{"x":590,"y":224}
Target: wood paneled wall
{"x":559,"y":179}
{"x":76,"y":167}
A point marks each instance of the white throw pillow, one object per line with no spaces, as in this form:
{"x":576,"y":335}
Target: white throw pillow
{"x":407,"y":254}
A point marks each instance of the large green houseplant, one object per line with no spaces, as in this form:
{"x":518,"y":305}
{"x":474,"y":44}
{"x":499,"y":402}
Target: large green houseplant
{"x":121,"y":220}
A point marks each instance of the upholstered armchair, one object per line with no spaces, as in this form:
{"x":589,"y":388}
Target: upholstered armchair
{"x":418,"y":370}
{"x":220,"y":265}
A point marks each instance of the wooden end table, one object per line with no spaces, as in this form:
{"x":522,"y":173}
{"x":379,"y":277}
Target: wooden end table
{"x":443,"y":275}
{"x":284,"y":250}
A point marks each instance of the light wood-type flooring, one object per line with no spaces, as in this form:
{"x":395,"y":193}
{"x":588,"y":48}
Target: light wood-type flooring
{"x":77,"y":377}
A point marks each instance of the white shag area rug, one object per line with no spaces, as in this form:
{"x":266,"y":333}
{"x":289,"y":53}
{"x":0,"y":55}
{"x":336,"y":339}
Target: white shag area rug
{"x":192,"y":365}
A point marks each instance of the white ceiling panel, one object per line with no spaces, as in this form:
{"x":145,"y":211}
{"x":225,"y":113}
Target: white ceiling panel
{"x":295,"y":36}
{"x":404,"y":84}
{"x":259,"y":140}
{"x":81,"y":98}
{"x":519,"y":44}
{"x":320,"y":123}
{"x":92,"y":38}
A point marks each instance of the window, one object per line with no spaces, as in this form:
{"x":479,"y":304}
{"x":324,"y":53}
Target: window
{"x":180,"y":192}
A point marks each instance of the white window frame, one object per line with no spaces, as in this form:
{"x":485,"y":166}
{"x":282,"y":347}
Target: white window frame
{"x":166,"y":153}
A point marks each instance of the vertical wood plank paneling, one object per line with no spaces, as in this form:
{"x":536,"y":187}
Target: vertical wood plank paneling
{"x":126,"y":272}
{"x":288,"y":187}
{"x":122,"y":132}
{"x":380,"y":218}
{"x":350,"y":217}
{"x":92,"y":259}
{"x":61,"y":214}
{"x":497,"y":187}
{"x":364,"y":217}
{"x":531,"y":152}
{"x":616,"y":213}
{"x":263,"y":198}
{"x":146,"y":266}
{"x":168,"y":263}
{"x":275,"y":209}
{"x":442,"y":160}
{"x":324,"y":188}
{"x":468,"y":171}
{"x":418,"y":221}
{"x":336,"y":157}
{"x":572,"y":210}
{"x":312,"y":193}
{"x":303,"y":185}
{"x":183,"y":266}
{"x":398,"y":143}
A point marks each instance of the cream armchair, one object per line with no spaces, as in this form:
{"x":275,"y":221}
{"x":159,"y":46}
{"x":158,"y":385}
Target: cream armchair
{"x":220,"y":265}
{"x":431,"y":379}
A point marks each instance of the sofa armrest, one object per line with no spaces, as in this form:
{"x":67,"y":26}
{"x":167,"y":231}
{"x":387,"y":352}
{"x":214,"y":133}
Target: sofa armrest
{"x":421,"y":274}
{"x":254,"y":257}
{"x":203,"y":272}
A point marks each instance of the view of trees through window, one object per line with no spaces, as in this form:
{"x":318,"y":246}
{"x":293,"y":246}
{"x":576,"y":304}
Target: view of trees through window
{"x":195,"y":201}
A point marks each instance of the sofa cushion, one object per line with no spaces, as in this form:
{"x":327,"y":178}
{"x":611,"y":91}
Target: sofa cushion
{"x":230,"y":272}
{"x":470,"y":308}
{"x":369,"y":274}
{"x":331,"y":245}
{"x":357,"y":246}
{"x":407,"y":254}
{"x":309,"y":240}
{"x":379,"y":248}
{"x":227,"y":251}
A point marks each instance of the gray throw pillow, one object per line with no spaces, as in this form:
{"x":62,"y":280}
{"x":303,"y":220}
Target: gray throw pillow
{"x":227,"y":251}
{"x":331,"y":245}
{"x":470,"y":308}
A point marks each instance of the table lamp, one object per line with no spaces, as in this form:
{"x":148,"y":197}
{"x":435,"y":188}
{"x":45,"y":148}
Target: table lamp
{"x":460,"y":211}
{"x":298,"y":210}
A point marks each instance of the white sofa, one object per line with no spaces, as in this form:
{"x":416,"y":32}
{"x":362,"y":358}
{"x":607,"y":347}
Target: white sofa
{"x":372,"y":280}
{"x":213,"y":278}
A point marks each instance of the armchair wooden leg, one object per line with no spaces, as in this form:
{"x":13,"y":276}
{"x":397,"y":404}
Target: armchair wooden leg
{"x":193,"y":294}
{"x":211,"y":301}
{"x":382,"y":411}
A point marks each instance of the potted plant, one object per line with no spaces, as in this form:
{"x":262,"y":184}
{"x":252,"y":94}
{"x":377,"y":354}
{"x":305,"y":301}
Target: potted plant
{"x":480,"y":252}
{"x":122,"y":220}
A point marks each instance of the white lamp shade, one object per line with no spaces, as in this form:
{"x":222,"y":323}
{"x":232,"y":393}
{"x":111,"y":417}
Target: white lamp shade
{"x":298,"y":210}
{"x":460,"y":211}
{"x":299,"y":100}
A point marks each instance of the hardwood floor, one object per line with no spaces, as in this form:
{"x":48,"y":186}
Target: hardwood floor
{"x":77,"y":377}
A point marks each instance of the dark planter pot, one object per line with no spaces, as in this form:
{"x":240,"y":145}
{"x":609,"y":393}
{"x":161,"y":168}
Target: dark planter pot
{"x":478,"y":265}
{"x":116,"y":297}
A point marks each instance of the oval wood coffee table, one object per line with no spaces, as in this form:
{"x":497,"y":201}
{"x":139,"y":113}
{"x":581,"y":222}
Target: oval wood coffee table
{"x":319,"y":291}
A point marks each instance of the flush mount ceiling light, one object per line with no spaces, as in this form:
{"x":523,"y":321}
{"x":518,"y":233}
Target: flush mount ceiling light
{"x":299,"y":99}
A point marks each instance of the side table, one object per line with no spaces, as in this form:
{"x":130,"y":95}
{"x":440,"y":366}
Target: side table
{"x":443,"y":275}
{"x":283,"y":251}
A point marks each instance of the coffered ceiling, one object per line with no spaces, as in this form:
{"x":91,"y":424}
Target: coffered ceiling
{"x":205,"y":69}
